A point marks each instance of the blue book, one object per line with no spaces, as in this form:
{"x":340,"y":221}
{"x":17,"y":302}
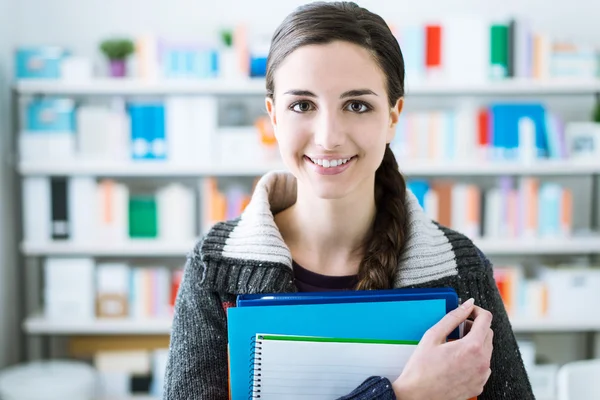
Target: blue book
{"x":506,"y":116}
{"x":398,"y":314}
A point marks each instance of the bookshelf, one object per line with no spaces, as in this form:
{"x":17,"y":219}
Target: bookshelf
{"x":37,"y":325}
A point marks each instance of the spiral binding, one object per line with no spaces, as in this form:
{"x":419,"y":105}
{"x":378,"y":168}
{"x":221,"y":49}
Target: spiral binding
{"x":254,"y":386}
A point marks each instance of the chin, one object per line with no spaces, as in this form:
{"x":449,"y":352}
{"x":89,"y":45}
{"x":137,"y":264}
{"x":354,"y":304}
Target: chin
{"x":330,"y":190}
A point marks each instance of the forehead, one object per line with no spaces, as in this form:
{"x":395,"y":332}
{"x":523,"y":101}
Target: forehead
{"x":331,"y":67}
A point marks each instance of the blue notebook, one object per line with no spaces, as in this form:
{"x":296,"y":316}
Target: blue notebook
{"x":397,"y":314}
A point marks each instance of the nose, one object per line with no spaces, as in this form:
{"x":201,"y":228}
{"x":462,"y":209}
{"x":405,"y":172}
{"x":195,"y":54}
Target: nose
{"x":329,"y":131}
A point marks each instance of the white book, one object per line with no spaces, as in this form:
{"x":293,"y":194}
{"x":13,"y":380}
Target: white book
{"x":493,"y":214}
{"x":113,"y":278}
{"x":432,"y":204}
{"x":465,"y":132}
{"x":69,"y":288}
{"x":36,"y":209}
{"x":204,"y":132}
{"x":466,"y":39}
{"x":421,"y":132}
{"x":295,"y":367}
{"x":92,"y":127}
{"x":179,"y":127}
{"x":82,"y":205}
{"x":176,"y":213}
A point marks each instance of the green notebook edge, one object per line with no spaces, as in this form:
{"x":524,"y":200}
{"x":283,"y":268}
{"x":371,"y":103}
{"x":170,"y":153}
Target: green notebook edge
{"x":294,"y":338}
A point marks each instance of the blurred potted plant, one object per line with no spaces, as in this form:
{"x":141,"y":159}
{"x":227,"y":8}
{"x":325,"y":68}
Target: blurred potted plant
{"x":117,"y":50}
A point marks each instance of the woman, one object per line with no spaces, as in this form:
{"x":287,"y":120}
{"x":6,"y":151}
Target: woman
{"x":342,"y":219}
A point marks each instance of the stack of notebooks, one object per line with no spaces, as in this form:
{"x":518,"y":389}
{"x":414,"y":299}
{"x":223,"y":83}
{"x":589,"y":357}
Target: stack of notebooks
{"x":324,"y":345}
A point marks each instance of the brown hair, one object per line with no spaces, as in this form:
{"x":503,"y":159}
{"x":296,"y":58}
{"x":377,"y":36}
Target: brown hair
{"x":321,"y":23}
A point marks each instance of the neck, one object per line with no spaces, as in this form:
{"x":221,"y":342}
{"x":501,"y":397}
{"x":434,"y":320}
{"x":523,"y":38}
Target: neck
{"x":327,"y":236}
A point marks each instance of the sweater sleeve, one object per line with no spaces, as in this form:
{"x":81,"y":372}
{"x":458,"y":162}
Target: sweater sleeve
{"x":509,"y":379}
{"x":374,"y":388}
{"x":197,"y":362}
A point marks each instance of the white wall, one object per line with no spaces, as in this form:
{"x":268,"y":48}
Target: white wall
{"x":9,"y":337}
{"x":80,"y":24}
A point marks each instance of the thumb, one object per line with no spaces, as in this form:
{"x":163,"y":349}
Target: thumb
{"x":440,"y":331}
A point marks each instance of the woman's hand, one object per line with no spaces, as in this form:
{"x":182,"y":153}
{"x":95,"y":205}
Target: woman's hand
{"x":456,"y":370}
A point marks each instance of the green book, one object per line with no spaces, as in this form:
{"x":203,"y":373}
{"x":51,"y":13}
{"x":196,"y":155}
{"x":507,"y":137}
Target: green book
{"x":499,"y":51}
{"x":143,"y":217}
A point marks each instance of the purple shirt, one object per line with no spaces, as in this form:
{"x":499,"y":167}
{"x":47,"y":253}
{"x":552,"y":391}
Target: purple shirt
{"x":308,"y":281}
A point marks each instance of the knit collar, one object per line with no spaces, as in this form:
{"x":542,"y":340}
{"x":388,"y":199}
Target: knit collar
{"x":249,"y":245}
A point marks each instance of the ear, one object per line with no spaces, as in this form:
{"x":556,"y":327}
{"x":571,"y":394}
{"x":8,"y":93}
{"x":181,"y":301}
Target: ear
{"x":394,"y":117}
{"x":270,"y":105}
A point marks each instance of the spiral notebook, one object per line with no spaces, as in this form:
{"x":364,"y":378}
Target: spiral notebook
{"x":319,"y":368}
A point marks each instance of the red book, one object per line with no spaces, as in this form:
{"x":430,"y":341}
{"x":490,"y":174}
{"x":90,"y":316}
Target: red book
{"x":433,"y":38}
{"x":484,"y":127}
{"x":175,"y":283}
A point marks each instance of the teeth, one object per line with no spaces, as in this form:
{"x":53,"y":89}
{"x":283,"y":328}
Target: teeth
{"x":329,"y":163}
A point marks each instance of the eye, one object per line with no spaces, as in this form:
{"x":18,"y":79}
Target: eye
{"x":358,"y":107}
{"x":301,"y":106}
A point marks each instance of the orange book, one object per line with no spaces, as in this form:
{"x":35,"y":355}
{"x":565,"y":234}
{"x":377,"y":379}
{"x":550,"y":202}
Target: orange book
{"x":473,"y":210}
{"x":444,"y":191}
{"x":566,"y":212}
{"x":530,"y":187}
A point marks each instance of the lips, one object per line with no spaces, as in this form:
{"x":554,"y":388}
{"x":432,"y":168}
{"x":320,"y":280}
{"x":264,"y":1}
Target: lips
{"x":330,"y":166}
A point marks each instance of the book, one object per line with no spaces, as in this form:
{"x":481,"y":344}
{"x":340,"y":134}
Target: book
{"x":349,"y":363}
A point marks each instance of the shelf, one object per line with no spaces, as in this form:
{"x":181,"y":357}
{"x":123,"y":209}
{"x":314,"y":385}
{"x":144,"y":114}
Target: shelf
{"x":164,"y":169}
{"x":135,"y":397}
{"x":156,"y":248}
{"x":521,"y":325}
{"x":128,"y":86}
{"x":539,"y":168}
{"x":558,"y":246}
{"x":142,"y":169}
{"x":132,"y":248}
{"x":508,"y":87}
{"x":40,"y":325}
{"x":256,"y":86}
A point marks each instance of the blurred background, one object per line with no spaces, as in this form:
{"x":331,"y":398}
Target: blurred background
{"x":129,"y":127}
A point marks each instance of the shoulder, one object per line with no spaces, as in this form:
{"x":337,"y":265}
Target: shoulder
{"x":468,"y":256}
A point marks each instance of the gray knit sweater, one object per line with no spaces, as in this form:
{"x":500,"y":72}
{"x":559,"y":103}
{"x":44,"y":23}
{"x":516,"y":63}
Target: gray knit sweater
{"x":248,"y":255}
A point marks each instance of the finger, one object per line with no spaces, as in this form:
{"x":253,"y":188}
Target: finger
{"x":440,"y":331}
{"x":482,"y":320}
{"x":468,"y":325}
{"x":488,"y":345}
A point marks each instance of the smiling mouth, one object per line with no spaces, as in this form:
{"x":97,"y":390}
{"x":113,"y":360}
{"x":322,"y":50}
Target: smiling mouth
{"x":329,"y":163}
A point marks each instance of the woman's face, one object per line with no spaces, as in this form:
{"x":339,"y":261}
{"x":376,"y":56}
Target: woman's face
{"x":332,"y":118}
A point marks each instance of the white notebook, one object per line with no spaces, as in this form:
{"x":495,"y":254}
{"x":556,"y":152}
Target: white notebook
{"x":298,"y":367}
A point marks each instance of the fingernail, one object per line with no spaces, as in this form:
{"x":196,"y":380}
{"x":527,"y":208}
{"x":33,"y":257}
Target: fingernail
{"x":468,"y":304}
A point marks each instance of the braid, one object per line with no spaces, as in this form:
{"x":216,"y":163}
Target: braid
{"x":384,"y":245}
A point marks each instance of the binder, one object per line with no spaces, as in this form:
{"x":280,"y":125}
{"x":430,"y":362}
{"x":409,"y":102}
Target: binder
{"x":395,"y":314}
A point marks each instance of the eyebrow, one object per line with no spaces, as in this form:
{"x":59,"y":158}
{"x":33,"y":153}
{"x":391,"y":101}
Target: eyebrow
{"x":349,"y":93}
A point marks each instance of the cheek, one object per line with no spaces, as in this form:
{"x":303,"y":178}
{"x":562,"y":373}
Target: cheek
{"x":371,"y":133}
{"x":292,"y":131}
